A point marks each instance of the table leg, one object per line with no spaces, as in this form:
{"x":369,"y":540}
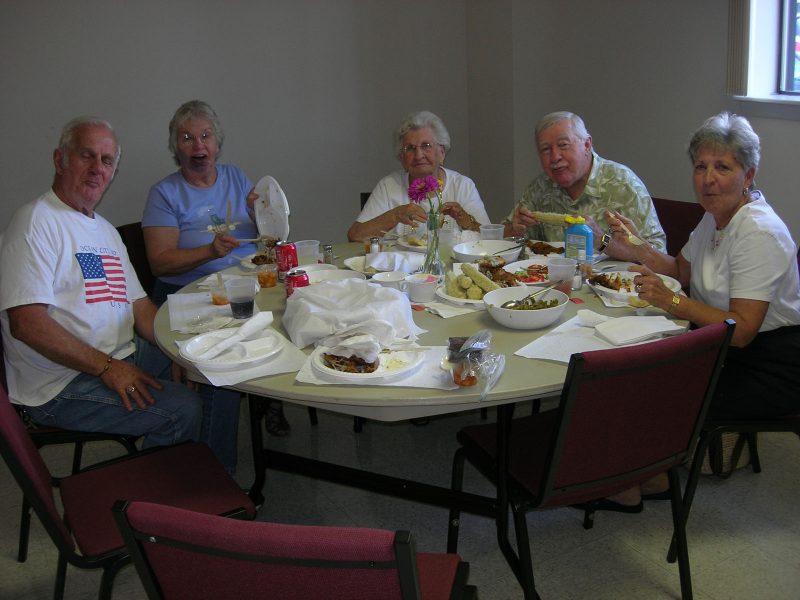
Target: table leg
{"x":258,"y":410}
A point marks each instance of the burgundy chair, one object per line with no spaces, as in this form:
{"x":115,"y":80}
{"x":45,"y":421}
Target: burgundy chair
{"x":678,"y":219}
{"x":187,"y":475}
{"x":625,"y":415}
{"x":183,"y":554}
{"x":48,"y":436}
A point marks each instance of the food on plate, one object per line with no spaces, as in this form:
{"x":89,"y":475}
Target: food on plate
{"x":481,"y":280}
{"x":493,"y":269}
{"x":262,"y":259}
{"x":613,"y":281}
{"x":451,"y":286}
{"x":464,"y":282}
{"x":267,"y":256}
{"x":413,"y":240}
{"x":534,"y":273}
{"x":349,"y":364}
{"x":549,"y":217}
{"x":534,"y":304}
{"x":543,"y":248}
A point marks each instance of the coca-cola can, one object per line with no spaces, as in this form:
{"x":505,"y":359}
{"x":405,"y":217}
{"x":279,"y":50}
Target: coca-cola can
{"x":295,"y":278}
{"x":286,"y":257}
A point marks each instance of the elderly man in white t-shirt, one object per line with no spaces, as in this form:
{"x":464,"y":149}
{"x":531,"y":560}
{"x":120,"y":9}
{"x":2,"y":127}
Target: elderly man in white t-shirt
{"x":77,"y":326}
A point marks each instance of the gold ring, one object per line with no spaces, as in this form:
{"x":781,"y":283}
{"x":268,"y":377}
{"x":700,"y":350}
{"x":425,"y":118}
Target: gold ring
{"x":130,"y":389}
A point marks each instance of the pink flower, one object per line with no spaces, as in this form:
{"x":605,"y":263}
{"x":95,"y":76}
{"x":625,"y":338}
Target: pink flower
{"x":422,"y":189}
{"x":418,"y":190}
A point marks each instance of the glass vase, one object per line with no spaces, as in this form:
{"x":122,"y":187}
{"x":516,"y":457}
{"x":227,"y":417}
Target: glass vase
{"x":433,"y":261}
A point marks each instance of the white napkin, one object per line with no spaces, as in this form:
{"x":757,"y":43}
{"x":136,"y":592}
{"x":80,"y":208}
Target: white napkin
{"x":394,"y":261}
{"x":194,"y":313}
{"x":446,"y":310}
{"x":250,"y":328}
{"x":288,"y":360}
{"x":571,"y":337}
{"x":325,"y":308}
{"x":428,"y":375}
{"x":589,"y":318}
{"x":630,"y":330}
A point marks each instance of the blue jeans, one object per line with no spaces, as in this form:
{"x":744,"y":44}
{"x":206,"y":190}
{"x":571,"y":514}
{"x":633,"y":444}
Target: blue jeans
{"x":86,"y":404}
{"x":219,"y":427}
{"x":178,"y":414}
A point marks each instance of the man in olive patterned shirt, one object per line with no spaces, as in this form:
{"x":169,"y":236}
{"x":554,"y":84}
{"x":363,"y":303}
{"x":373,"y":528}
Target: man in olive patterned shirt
{"x":578,"y":181}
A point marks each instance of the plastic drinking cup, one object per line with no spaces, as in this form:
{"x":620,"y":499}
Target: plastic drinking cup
{"x":242,"y":295}
{"x":493,"y":231}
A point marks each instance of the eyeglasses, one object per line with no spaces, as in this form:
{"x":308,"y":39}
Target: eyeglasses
{"x":425,"y":147}
{"x":187,"y":139}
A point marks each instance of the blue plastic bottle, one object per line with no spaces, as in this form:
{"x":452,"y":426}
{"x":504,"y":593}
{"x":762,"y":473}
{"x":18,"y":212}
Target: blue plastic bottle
{"x":579,"y":244}
{"x":579,"y":240}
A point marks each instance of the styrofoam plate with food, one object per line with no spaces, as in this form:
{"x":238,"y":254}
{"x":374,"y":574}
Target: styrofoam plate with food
{"x":390,"y":364}
{"x":619,"y":286}
{"x":530,"y":272}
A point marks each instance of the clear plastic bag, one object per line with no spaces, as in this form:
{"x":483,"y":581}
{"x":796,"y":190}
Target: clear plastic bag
{"x":472,"y":363}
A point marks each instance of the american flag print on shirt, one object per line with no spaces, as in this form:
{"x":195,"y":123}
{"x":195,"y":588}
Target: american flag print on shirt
{"x":103,"y":277}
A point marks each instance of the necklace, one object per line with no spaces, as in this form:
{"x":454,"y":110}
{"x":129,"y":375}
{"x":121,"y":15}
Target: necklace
{"x":719,"y":235}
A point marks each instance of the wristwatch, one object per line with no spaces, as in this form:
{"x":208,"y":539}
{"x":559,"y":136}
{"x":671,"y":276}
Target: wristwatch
{"x":604,"y":241}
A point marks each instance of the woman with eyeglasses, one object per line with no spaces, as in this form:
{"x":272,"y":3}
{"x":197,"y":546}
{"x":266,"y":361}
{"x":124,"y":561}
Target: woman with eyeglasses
{"x":421,"y":143}
{"x":186,"y":212}
{"x":186,"y":238}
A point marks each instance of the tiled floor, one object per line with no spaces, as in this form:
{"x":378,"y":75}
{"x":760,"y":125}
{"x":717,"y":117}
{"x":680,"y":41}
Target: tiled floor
{"x":744,"y":535}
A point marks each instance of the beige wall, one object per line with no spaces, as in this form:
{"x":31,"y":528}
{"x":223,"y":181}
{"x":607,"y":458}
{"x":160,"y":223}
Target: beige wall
{"x":309,"y":90}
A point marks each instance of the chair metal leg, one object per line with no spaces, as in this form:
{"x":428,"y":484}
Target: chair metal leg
{"x":484,"y":414}
{"x":312,"y":416}
{"x":24,"y":531}
{"x":523,"y":558}
{"x":679,"y":514}
{"x":454,"y":518}
{"x":61,"y":577}
{"x":691,"y":487}
{"x":109,"y":574}
{"x":358,"y":424}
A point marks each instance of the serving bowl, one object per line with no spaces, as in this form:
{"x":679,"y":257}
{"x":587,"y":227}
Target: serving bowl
{"x":478,"y":249}
{"x":527,"y":318}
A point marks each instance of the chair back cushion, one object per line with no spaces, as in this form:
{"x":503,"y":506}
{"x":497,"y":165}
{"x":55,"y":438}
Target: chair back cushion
{"x":192,"y":555}
{"x":30,"y":471}
{"x":629,"y":413}
{"x":133,"y":238}
{"x":678,"y":219}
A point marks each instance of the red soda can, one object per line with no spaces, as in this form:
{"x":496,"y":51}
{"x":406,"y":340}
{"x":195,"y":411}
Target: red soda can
{"x":286,"y":257}
{"x":294,"y":279}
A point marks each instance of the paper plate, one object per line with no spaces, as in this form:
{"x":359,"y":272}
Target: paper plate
{"x":413,"y":243}
{"x":522,"y":265}
{"x":272,"y":209}
{"x":333,"y":275}
{"x":630,"y":297}
{"x":239,"y":356}
{"x":392,"y":364}
{"x":356,"y":263}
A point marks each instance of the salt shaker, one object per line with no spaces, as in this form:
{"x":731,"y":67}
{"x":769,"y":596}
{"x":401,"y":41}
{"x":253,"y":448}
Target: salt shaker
{"x":327,"y":254}
{"x":374,"y":245}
